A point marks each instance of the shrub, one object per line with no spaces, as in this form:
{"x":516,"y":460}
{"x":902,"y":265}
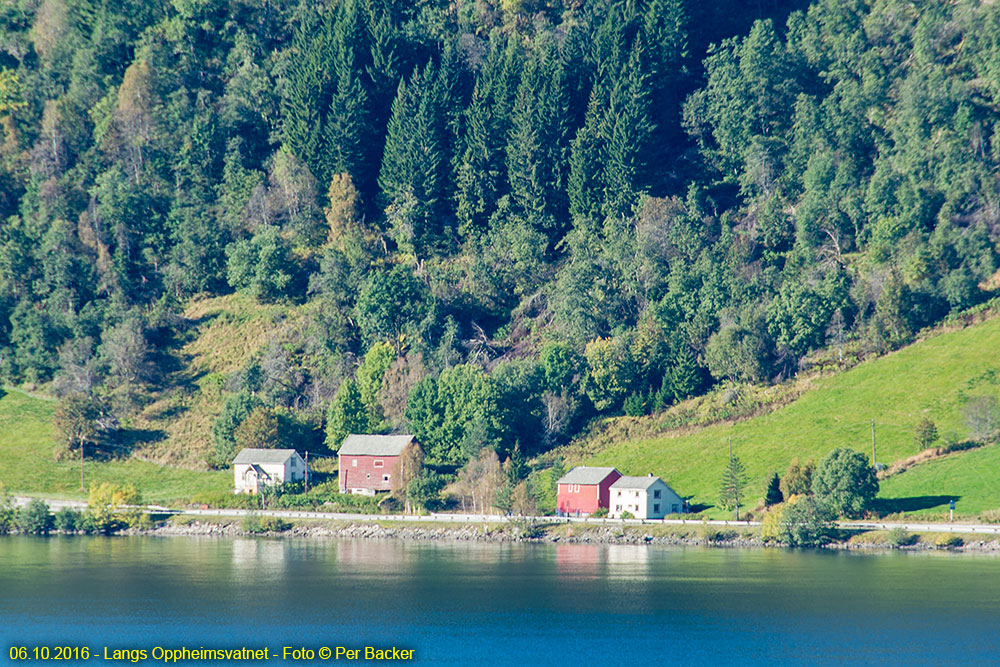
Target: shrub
{"x":113,"y":506}
{"x":34,"y":518}
{"x":715,"y":535}
{"x":770,"y":526}
{"x":627,"y":515}
{"x":256,"y":524}
{"x":806,"y":522}
{"x":600,"y":513}
{"x":845,"y":483}
{"x":948,"y":541}
{"x":68,"y":520}
{"x":7,"y":513}
{"x":898,"y":537}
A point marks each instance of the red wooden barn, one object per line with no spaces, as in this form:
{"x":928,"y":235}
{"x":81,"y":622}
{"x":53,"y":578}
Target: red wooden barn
{"x":368,"y":462}
{"x":585,"y":489}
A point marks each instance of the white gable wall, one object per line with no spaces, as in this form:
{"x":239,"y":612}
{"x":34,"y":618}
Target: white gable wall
{"x":655,"y":502}
{"x":292,"y":470}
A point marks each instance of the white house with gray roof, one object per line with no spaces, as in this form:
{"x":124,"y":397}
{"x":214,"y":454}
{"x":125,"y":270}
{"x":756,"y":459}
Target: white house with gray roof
{"x":255,"y":468}
{"x":644,"y":497}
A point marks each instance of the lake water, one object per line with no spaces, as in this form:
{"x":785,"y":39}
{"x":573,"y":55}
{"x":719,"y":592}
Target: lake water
{"x":490,"y":604}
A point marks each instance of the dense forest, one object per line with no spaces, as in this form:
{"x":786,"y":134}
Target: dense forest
{"x":500,"y":219}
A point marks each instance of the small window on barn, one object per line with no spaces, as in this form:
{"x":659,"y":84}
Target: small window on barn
{"x":354,"y":463}
{"x":379,"y":463}
{"x":368,"y":476}
{"x":385,"y":478}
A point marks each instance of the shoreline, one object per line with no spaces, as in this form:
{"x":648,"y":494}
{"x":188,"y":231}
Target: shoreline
{"x":543,"y":534}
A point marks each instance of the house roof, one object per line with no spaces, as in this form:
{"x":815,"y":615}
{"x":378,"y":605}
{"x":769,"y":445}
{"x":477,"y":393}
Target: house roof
{"x":585,"y":475}
{"x":642,"y":483}
{"x":248,"y":455}
{"x":374,"y":445}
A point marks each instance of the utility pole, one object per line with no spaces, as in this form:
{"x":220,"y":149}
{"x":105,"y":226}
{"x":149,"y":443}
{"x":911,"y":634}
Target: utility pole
{"x":307,"y":471}
{"x":874,"y":465}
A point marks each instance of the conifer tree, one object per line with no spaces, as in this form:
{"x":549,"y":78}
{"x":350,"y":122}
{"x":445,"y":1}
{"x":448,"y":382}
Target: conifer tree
{"x":480,"y":177}
{"x":537,"y":146}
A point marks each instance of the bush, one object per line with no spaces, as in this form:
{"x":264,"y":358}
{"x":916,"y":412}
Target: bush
{"x":68,"y":520}
{"x":34,"y":518}
{"x":770,"y":526}
{"x":256,"y":524}
{"x":627,"y":515}
{"x":898,"y":537}
{"x":806,"y":522}
{"x":948,"y":541}
{"x":845,"y":483}
{"x":224,"y":500}
{"x":715,"y":535}
{"x":600,"y":513}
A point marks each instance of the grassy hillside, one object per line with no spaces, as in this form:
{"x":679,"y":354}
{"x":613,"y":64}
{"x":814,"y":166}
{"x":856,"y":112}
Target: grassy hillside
{"x":220,"y":336}
{"x":971,"y":478}
{"x":930,"y":378}
{"x":27,"y":441}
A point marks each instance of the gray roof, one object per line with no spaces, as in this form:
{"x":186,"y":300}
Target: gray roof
{"x":645,"y":482}
{"x":374,"y":445}
{"x":248,"y":455}
{"x":585,"y":475}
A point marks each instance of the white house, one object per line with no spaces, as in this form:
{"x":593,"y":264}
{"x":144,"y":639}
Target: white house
{"x":645,"y":497}
{"x":254,"y":468}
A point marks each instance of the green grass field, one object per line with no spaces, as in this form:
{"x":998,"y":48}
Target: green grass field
{"x":971,"y":478}
{"x":27,"y":465}
{"x":932,"y":377}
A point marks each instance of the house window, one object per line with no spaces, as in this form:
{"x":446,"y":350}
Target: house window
{"x":618,"y":508}
{"x":656,"y":508}
{"x":656,"y":494}
{"x":379,"y":463}
{"x":619,"y":494}
{"x":673,"y":509}
{"x":354,"y":463}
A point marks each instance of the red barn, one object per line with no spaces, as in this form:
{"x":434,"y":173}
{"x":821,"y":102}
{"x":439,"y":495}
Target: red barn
{"x":368,"y":462}
{"x":585,"y":489}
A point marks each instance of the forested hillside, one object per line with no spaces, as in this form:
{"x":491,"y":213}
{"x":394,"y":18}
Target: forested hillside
{"x":483,"y":222}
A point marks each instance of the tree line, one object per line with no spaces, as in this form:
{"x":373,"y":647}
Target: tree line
{"x":498,"y":220}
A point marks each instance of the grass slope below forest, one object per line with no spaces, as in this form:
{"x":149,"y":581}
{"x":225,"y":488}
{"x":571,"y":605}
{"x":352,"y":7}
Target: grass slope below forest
{"x":931,"y":378}
{"x":27,"y":465}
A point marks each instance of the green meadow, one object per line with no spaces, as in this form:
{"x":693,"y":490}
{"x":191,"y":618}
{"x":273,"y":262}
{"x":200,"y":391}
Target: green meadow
{"x":931,"y":378}
{"x":27,"y":462}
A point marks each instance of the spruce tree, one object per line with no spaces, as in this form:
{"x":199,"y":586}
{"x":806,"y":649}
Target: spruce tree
{"x":480,"y":177}
{"x":307,"y":93}
{"x":773,"y":496}
{"x":685,"y":378}
{"x":733,"y":482}
{"x":537,"y":146}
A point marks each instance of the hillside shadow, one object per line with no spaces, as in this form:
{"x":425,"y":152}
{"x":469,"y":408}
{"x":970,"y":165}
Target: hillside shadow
{"x":912,"y":504}
{"x":127,"y":440}
{"x":696,"y":508}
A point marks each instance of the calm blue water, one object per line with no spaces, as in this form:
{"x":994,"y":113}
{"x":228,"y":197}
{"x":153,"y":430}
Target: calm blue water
{"x":487,"y":604}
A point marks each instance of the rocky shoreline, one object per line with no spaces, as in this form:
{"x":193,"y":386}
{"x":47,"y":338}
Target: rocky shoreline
{"x":521,"y":534}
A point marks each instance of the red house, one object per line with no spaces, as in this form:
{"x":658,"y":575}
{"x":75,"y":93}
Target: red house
{"x":585,"y":489}
{"x":368,"y":462}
